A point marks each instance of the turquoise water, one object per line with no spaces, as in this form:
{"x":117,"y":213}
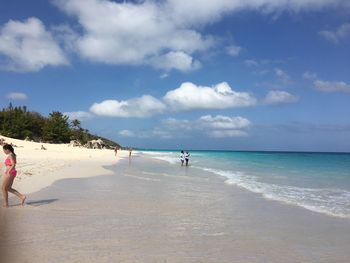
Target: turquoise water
{"x":319,"y":182}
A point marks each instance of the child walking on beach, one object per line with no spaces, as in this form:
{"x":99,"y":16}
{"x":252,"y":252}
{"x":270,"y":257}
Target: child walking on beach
{"x":10,"y":175}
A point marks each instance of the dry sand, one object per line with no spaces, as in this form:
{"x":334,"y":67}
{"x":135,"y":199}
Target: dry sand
{"x":38,"y":168}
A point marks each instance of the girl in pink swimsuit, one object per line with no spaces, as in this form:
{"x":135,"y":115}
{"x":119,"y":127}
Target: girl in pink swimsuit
{"x":10,"y":175}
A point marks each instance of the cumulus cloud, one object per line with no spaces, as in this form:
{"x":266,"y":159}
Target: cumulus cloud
{"x":199,"y":12}
{"x":190,"y":96}
{"x":326,"y":86}
{"x":134,"y":33}
{"x":342,"y":32}
{"x":279,"y":97}
{"x":251,"y":63}
{"x":127,"y":133}
{"x":78,"y":115}
{"x":156,"y":132}
{"x":227,"y":133}
{"x":233,"y":50}
{"x":164,"y":76}
{"x":223,"y":122}
{"x":213,"y":126}
{"x":175,"y":60}
{"x":142,"y":107}
{"x":17,"y":96}
{"x":28,"y":46}
{"x":331,"y":86}
{"x":187,"y":97}
{"x":310,"y":75}
{"x":165,"y":34}
{"x":283,"y":77}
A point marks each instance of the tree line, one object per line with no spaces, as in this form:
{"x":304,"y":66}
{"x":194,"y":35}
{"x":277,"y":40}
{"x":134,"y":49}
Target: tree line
{"x":19,"y":123}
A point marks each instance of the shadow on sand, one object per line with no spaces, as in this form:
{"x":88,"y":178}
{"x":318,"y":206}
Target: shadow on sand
{"x":41,"y":202}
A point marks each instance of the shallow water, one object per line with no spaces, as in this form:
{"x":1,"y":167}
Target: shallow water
{"x":152,"y":212}
{"x":319,"y":182}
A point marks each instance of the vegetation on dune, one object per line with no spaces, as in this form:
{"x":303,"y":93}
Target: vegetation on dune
{"x":19,"y":123}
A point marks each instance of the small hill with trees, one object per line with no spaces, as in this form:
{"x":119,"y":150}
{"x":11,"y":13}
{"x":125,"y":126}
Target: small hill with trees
{"x":19,"y":123}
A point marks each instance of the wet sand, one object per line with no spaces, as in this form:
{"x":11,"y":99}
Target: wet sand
{"x":146,"y":212}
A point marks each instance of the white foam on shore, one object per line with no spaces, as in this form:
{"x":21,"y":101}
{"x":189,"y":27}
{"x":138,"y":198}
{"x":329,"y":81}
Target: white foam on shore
{"x":333,"y":202}
{"x":169,"y":157}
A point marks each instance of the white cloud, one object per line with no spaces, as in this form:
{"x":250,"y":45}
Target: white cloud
{"x":17,"y":96}
{"x":213,"y":126}
{"x":310,"y":75}
{"x":134,"y":34}
{"x":331,"y":86}
{"x":196,"y":12}
{"x":164,"y":76}
{"x":175,"y":60}
{"x":28,"y":46}
{"x":79,"y":115}
{"x":66,"y":36}
{"x":190,"y":96}
{"x":156,"y":132}
{"x":224,"y":122}
{"x":282,"y":76}
{"x":251,"y":63}
{"x":337,"y":35}
{"x":127,"y":133}
{"x":326,"y":86}
{"x":279,"y":97}
{"x":142,"y":107}
{"x":227,"y":133}
{"x":233,"y":51}
{"x":165,"y":34}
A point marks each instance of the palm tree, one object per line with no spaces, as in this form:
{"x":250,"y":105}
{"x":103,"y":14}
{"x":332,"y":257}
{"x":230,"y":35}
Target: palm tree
{"x":76,"y":124}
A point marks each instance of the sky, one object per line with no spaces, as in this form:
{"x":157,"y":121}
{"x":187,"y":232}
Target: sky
{"x":269,"y":75}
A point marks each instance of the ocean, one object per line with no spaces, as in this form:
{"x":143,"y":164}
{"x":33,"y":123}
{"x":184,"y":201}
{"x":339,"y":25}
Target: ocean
{"x":319,"y":182}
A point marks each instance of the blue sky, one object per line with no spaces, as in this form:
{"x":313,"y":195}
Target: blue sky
{"x":233,"y":75}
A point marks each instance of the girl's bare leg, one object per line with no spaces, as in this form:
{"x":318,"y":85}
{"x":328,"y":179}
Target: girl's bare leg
{"x":7,"y":187}
{"x":4,"y":189}
{"x":15,"y":192}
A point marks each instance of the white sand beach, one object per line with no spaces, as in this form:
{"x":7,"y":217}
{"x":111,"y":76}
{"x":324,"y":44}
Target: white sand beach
{"x":148,"y":211}
{"x":38,"y":168}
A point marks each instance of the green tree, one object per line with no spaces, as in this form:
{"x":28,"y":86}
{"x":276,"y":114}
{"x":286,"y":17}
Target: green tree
{"x":76,"y":124}
{"x":56,"y":129}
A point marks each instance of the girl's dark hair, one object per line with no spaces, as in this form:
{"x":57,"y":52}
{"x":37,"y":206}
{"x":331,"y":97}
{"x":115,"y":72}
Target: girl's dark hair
{"x":9,"y":147}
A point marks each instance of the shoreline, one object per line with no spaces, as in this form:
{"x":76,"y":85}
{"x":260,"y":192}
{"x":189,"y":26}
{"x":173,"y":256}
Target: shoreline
{"x":150,"y":212}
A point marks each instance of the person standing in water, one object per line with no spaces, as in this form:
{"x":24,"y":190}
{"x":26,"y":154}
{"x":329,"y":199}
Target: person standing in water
{"x":182,"y":158}
{"x":187,"y":157}
{"x":10,"y":175}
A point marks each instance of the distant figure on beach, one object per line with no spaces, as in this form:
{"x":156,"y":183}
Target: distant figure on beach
{"x":42,"y":147}
{"x":182,"y":158}
{"x":116,"y":150}
{"x":187,"y":157}
{"x":130,"y":151}
{"x":10,"y":175}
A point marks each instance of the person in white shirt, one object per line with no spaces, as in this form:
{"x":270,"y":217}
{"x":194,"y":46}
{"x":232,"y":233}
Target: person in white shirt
{"x":182,"y":158}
